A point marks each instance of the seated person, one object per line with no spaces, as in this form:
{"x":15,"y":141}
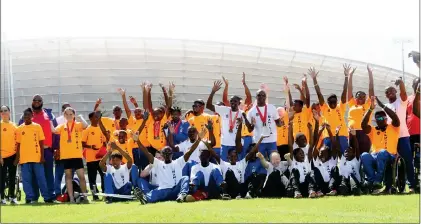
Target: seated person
{"x":234,"y":171}
{"x":149,"y":173}
{"x":255,"y":174}
{"x":206,"y":180}
{"x":277,"y":177}
{"x":117,"y":175}
{"x":172,"y":185}
{"x":325,"y":163}
{"x":349,"y":168}
{"x":302,"y":182}
{"x":384,"y":143}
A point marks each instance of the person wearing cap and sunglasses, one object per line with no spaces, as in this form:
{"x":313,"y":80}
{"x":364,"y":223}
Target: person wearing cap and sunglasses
{"x":399,"y":106}
{"x":197,"y":117}
{"x":384,"y":142}
{"x":7,"y":155}
{"x":333,"y":112}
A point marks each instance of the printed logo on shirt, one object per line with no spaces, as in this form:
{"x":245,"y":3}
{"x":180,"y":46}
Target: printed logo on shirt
{"x":378,"y":133}
{"x":65,"y":129}
{"x":92,"y":133}
{"x":23,"y":133}
{"x":4,"y":129}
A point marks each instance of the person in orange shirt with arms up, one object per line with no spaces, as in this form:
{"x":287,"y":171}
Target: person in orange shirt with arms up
{"x":357,"y":108}
{"x":30,"y":155}
{"x":111,"y":124}
{"x":92,"y":141}
{"x":333,"y":112}
{"x":71,"y":151}
{"x":384,"y":140}
{"x":7,"y":155}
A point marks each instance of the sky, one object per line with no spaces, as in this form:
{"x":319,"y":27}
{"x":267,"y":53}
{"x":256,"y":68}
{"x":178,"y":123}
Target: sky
{"x":363,"y":30}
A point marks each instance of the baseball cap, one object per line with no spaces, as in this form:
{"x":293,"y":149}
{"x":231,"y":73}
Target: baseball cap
{"x":199,"y":101}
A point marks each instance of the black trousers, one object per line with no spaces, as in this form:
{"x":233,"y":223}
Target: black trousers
{"x":93,"y":169}
{"x":326,"y":187}
{"x":10,"y":169}
{"x":276,"y":184}
{"x":303,"y":188}
{"x":234,"y":188}
{"x":255,"y":184}
{"x":415,"y":139}
{"x":349,"y":185}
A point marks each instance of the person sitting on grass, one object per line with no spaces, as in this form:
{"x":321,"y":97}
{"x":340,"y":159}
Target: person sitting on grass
{"x":349,"y":167}
{"x":277,"y":177}
{"x":117,"y":175}
{"x":255,"y":175}
{"x":234,"y":171}
{"x":302,"y":182}
{"x":149,"y":173}
{"x":384,"y":142}
{"x":172,"y":185}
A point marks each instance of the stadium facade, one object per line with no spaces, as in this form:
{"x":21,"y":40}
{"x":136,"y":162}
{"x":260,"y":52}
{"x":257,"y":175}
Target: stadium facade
{"x":80,"y":70}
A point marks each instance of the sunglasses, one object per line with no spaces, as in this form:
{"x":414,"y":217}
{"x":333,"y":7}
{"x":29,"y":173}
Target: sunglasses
{"x":36,"y":100}
{"x":380,"y":118}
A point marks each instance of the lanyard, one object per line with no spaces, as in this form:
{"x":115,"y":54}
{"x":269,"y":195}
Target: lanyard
{"x":177,"y":126}
{"x":263,"y":117}
{"x":232,"y":121}
{"x":69,"y":131}
{"x":156,"y":127}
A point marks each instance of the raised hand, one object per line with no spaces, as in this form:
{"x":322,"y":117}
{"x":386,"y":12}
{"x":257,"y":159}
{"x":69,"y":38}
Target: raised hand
{"x":171,"y":86}
{"x":171,"y":129}
{"x":259,"y":155}
{"x":398,"y":81}
{"x":225,"y":80}
{"x":98,"y":101}
{"x":253,"y":121}
{"x":316,"y":115}
{"x":132,"y":99}
{"x":304,"y":79}
{"x":296,"y":86}
{"x":216,"y":86}
{"x":337,"y":129}
{"x":348,"y":70}
{"x":209,"y":125}
{"x":352,"y":131}
{"x":286,"y":80}
{"x":121,"y":91}
{"x":312,"y":72}
{"x":203,"y":133}
{"x":264,"y":87}
{"x":369,"y":70}
{"x":239,"y":121}
{"x":135,"y":136}
{"x":243,"y":80}
{"x":322,"y":127}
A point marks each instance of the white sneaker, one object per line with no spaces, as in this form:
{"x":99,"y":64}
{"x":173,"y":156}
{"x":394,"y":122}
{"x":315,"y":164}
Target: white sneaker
{"x":3,"y":202}
{"x":14,"y":201}
{"x":248,"y":196}
{"x":238,"y":197}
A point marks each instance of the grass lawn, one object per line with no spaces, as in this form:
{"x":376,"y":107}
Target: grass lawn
{"x":383,"y":209}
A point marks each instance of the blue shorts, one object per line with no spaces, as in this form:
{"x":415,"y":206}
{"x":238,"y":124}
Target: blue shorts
{"x":267,"y":148}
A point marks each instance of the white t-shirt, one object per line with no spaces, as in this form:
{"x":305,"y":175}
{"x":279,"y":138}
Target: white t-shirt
{"x":303,"y":168}
{"x":326,"y":167}
{"x":239,"y":169}
{"x":152,"y":174}
{"x":270,"y":128}
{"x":205,"y":170}
{"x":120,"y":176}
{"x":282,"y":167}
{"x":186,"y":145}
{"x":346,"y":168}
{"x":60,"y":120}
{"x":399,"y":107}
{"x":227,"y":137}
{"x":168,"y":175}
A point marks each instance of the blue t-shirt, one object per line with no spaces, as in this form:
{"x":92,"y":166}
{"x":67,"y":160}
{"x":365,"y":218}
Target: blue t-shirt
{"x":254,"y":167}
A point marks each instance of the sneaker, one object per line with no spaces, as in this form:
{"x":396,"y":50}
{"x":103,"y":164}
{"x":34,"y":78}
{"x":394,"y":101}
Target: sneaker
{"x":190,"y":198}
{"x":377,"y":188}
{"x":331,"y":193}
{"x":320,"y":194}
{"x":238,"y":197}
{"x":139,"y":195}
{"x":312,"y":194}
{"x":226,"y":197}
{"x":84,"y":200}
{"x":14,"y":201}
{"x":248,"y":196}
{"x":181,"y":197}
{"x":3,"y":202}
{"x":297,"y":194}
{"x":108,"y":200}
{"x":50,"y":201}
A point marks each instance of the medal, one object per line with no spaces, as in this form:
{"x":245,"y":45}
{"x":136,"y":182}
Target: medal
{"x":69,"y":131}
{"x":232,"y":121}
{"x":156,"y":129}
{"x":263,"y":117}
{"x":231,"y":131}
{"x":176,"y":127}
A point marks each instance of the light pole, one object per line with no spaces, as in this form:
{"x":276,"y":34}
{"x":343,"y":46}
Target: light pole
{"x":402,"y":42}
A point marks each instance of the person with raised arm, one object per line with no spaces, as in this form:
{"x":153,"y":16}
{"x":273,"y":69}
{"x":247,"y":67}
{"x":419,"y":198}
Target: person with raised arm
{"x":111,"y":124}
{"x":357,"y":108}
{"x":228,"y":116}
{"x":264,"y":120}
{"x":399,"y":105}
{"x":7,"y":156}
{"x":117,"y":174}
{"x":172,"y":185}
{"x":30,"y":155}
{"x":71,"y":150}
{"x":413,"y":120}
{"x":333,"y":112}
{"x":196,"y":117}
{"x":384,"y":143}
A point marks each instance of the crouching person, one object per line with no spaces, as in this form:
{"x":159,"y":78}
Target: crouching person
{"x":117,"y":175}
{"x":172,"y":185}
{"x":277,"y":177}
{"x":206,"y":180}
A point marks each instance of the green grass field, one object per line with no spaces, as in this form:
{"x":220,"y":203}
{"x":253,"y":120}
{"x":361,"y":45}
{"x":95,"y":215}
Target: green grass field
{"x":383,"y":209}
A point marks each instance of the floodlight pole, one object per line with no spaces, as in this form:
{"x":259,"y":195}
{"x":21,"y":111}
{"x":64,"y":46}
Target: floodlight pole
{"x":403,"y":41}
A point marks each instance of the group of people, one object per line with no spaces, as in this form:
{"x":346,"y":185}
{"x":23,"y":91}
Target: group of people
{"x":243,"y":149}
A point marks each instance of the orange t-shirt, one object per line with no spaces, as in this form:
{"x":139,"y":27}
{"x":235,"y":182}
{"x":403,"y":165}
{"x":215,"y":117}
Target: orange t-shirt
{"x":301,"y":121}
{"x":245,"y":131}
{"x":335,"y":117}
{"x":93,"y":136}
{"x":134,"y":126}
{"x":8,"y":139}
{"x":387,"y":139}
{"x":127,"y":147}
{"x":72,"y":149}
{"x":156,"y":137}
{"x":282,"y":138}
{"x":110,"y":124}
{"x":356,"y":113}
{"x":199,"y":122}
{"x":216,"y":120}
{"x":29,"y":136}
